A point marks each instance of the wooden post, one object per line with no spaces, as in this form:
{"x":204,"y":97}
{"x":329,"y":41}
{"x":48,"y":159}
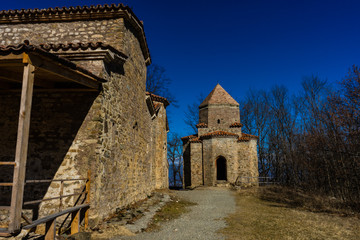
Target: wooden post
{"x":61,"y":193}
{"x":50,"y":230}
{"x":21,"y":145}
{"x":87,"y":199}
{"x":75,"y":222}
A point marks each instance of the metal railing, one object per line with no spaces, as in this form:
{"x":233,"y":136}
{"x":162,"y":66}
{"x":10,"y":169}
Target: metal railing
{"x":254,"y":180}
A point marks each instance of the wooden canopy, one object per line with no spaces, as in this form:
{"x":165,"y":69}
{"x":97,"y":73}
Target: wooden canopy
{"x":28,"y":68}
{"x":51,"y":71}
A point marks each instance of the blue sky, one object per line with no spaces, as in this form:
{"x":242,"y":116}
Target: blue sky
{"x":241,"y":44}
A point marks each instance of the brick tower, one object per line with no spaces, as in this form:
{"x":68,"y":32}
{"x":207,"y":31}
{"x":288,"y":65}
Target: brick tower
{"x":219,"y":152}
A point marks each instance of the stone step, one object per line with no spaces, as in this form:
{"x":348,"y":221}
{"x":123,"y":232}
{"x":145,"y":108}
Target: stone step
{"x":222,"y":183}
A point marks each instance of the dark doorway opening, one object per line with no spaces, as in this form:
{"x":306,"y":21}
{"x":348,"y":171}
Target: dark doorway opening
{"x":221,"y":169}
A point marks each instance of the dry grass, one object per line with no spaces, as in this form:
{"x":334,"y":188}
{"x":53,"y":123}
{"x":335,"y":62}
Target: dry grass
{"x":171,"y":210}
{"x":257,"y":218}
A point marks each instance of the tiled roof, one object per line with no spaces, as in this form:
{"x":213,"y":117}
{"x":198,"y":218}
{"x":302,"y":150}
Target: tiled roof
{"x":189,"y":137}
{"x":218,"y":96}
{"x":81,"y":46}
{"x":158,"y":99}
{"x":218,"y":133}
{"x":236,"y":125}
{"x":195,"y":140}
{"x":78,"y":13}
{"x":201,"y":125}
{"x":246,"y":137}
{"x":27,"y":48}
{"x":61,"y":10}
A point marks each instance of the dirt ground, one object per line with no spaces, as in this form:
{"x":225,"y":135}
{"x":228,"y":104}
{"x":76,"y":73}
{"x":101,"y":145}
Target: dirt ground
{"x":256,"y":218}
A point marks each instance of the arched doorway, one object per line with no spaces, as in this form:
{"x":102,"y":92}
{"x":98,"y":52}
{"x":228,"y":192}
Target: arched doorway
{"x":221,"y":169}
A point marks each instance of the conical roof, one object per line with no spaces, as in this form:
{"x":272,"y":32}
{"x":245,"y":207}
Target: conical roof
{"x":218,"y":96}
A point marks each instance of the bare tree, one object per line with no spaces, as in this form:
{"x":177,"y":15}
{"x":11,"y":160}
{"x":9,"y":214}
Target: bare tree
{"x":158,"y":83}
{"x":192,"y":113}
{"x":255,"y":117}
{"x":175,"y":159}
{"x":312,"y":139}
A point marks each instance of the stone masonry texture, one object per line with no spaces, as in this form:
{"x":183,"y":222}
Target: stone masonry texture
{"x":109,"y":132}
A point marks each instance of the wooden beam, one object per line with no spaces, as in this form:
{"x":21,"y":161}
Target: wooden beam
{"x":8,"y":163}
{"x":6,"y":184}
{"x":53,"y":90}
{"x":11,"y":56}
{"x":17,"y":77}
{"x":11,"y":60}
{"x":21,"y":146}
{"x":63,"y":71}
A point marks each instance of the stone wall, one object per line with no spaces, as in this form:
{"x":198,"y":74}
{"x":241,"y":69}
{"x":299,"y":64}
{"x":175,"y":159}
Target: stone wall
{"x":248,"y":167}
{"x":109,"y":31}
{"x":111,"y":133}
{"x":214,"y":148}
{"x":196,"y":164}
{"x":226,"y":114}
{"x":55,"y":121}
{"x":187,"y":164}
{"x":160,"y":138}
{"x":241,"y":160}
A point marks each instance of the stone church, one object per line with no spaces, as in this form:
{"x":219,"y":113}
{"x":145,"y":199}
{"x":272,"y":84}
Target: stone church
{"x":220,"y":152}
{"x":81,"y":73}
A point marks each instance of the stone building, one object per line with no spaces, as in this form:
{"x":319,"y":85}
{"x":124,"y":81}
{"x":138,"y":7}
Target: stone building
{"x":220,"y":152}
{"x":88,"y":103}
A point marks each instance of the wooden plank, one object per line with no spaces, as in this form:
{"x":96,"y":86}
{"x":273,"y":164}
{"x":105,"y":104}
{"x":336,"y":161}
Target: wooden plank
{"x":53,"y":90}
{"x":61,"y":193}
{"x":75,"y":222}
{"x":6,"y":184}
{"x":12,"y":56}
{"x":8,"y":163}
{"x":63,"y":71}
{"x":21,"y":146}
{"x":55,"y":215}
{"x":50,"y":230}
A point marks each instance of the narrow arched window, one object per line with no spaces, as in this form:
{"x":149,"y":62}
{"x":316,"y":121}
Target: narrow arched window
{"x":218,"y":121}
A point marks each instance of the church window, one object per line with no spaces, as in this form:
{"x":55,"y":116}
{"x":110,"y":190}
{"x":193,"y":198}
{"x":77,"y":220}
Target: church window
{"x":218,"y":121}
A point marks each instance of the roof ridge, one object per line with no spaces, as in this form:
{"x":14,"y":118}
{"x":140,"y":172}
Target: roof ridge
{"x":64,"y":9}
{"x":158,"y":98}
{"x":218,"y":96}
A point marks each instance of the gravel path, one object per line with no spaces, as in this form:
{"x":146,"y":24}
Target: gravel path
{"x":202,"y":222}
